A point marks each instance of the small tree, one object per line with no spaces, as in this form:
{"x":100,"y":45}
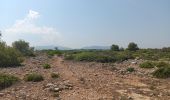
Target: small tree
{"x":23,"y":47}
{"x":56,"y":48}
{"x":115,"y":47}
{"x":133,"y":46}
{"x":0,"y":34}
{"x":121,"y":49}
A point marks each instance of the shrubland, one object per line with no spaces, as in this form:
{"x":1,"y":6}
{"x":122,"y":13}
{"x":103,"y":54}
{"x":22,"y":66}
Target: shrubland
{"x":7,"y":80}
{"x":13,"y":56}
{"x":23,"y":47}
{"x":33,"y":77}
{"x":9,"y":56}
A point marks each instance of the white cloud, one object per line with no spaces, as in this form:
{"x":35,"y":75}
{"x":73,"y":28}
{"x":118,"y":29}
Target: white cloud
{"x":27,"y":29}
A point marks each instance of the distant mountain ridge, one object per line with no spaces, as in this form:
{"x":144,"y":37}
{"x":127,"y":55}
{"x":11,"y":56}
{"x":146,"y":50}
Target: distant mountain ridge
{"x":67,"y":48}
{"x":51,"y":47}
{"x":97,"y":47}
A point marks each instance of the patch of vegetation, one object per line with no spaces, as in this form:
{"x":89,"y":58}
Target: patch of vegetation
{"x":9,"y":57}
{"x":34,"y":77}
{"x":130,"y":69}
{"x":162,"y":72}
{"x":98,"y":56}
{"x":162,"y":64}
{"x":54,"y":52}
{"x":117,"y":54}
{"x":23,"y":47}
{"x":68,"y":57}
{"x":133,"y":46}
{"x":46,"y":66}
{"x":115,"y":47}
{"x":7,"y":80}
{"x":55,"y":75}
{"x":147,"y":64}
{"x":152,"y":54}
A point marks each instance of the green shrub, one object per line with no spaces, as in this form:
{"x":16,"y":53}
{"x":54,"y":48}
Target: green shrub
{"x":9,"y":56}
{"x":85,"y":56}
{"x":162,"y":72}
{"x":46,"y":66}
{"x":162,"y":64}
{"x":147,"y":64}
{"x":130,"y":69}
{"x":122,"y":56}
{"x":55,"y":75}
{"x":23,"y":47}
{"x":94,"y":56}
{"x":34,"y":77}
{"x":54,"y":52}
{"x":7,"y":80}
{"x":115,"y":47}
{"x":133,"y":46}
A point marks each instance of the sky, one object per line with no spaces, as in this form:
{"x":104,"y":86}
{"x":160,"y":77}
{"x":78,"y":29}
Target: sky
{"x":79,"y":23}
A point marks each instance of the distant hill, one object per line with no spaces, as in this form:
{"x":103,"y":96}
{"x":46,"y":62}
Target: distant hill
{"x":51,"y":47}
{"x":97,"y":47}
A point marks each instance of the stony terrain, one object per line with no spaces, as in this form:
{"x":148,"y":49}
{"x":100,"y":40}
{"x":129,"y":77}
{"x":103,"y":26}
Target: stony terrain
{"x":85,"y":81}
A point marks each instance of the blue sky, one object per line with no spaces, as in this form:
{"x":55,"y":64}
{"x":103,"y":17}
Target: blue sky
{"x":79,"y":23}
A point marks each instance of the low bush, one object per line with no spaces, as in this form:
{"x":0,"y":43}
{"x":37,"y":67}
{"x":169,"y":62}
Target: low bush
{"x":85,"y":56}
{"x":130,"y":69}
{"x":54,"y":52}
{"x":9,"y":57}
{"x":23,"y":47}
{"x":46,"y":66}
{"x":147,"y":64}
{"x":7,"y":80}
{"x":99,"y":56}
{"x":162,"y":64}
{"x":55,"y":75}
{"x":162,"y":72}
{"x":34,"y":77}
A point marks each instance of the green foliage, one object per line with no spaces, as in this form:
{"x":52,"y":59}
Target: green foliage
{"x":147,"y":64}
{"x":162,"y":64}
{"x":46,"y":66}
{"x":133,"y":46}
{"x":7,"y":80}
{"x":116,"y":56}
{"x":152,"y":54}
{"x":54,"y":52}
{"x":9,"y":56}
{"x":55,"y":75}
{"x":85,"y":56}
{"x":115,"y":47}
{"x":23,"y":47}
{"x":122,"y":56}
{"x":34,"y":77}
{"x":130,"y":69}
{"x":99,"y":56}
{"x":162,"y":72}
{"x":91,"y":56}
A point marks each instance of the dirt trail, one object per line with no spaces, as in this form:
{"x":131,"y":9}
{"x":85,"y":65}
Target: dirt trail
{"x":95,"y":83}
{"x":82,"y":89}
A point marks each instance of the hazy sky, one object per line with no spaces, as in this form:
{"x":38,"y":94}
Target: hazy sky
{"x":78,"y":23}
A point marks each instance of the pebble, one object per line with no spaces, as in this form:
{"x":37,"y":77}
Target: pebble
{"x":2,"y":94}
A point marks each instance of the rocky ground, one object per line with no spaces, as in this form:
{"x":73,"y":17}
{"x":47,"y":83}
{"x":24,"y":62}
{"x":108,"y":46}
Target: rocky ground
{"x":85,"y":81}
